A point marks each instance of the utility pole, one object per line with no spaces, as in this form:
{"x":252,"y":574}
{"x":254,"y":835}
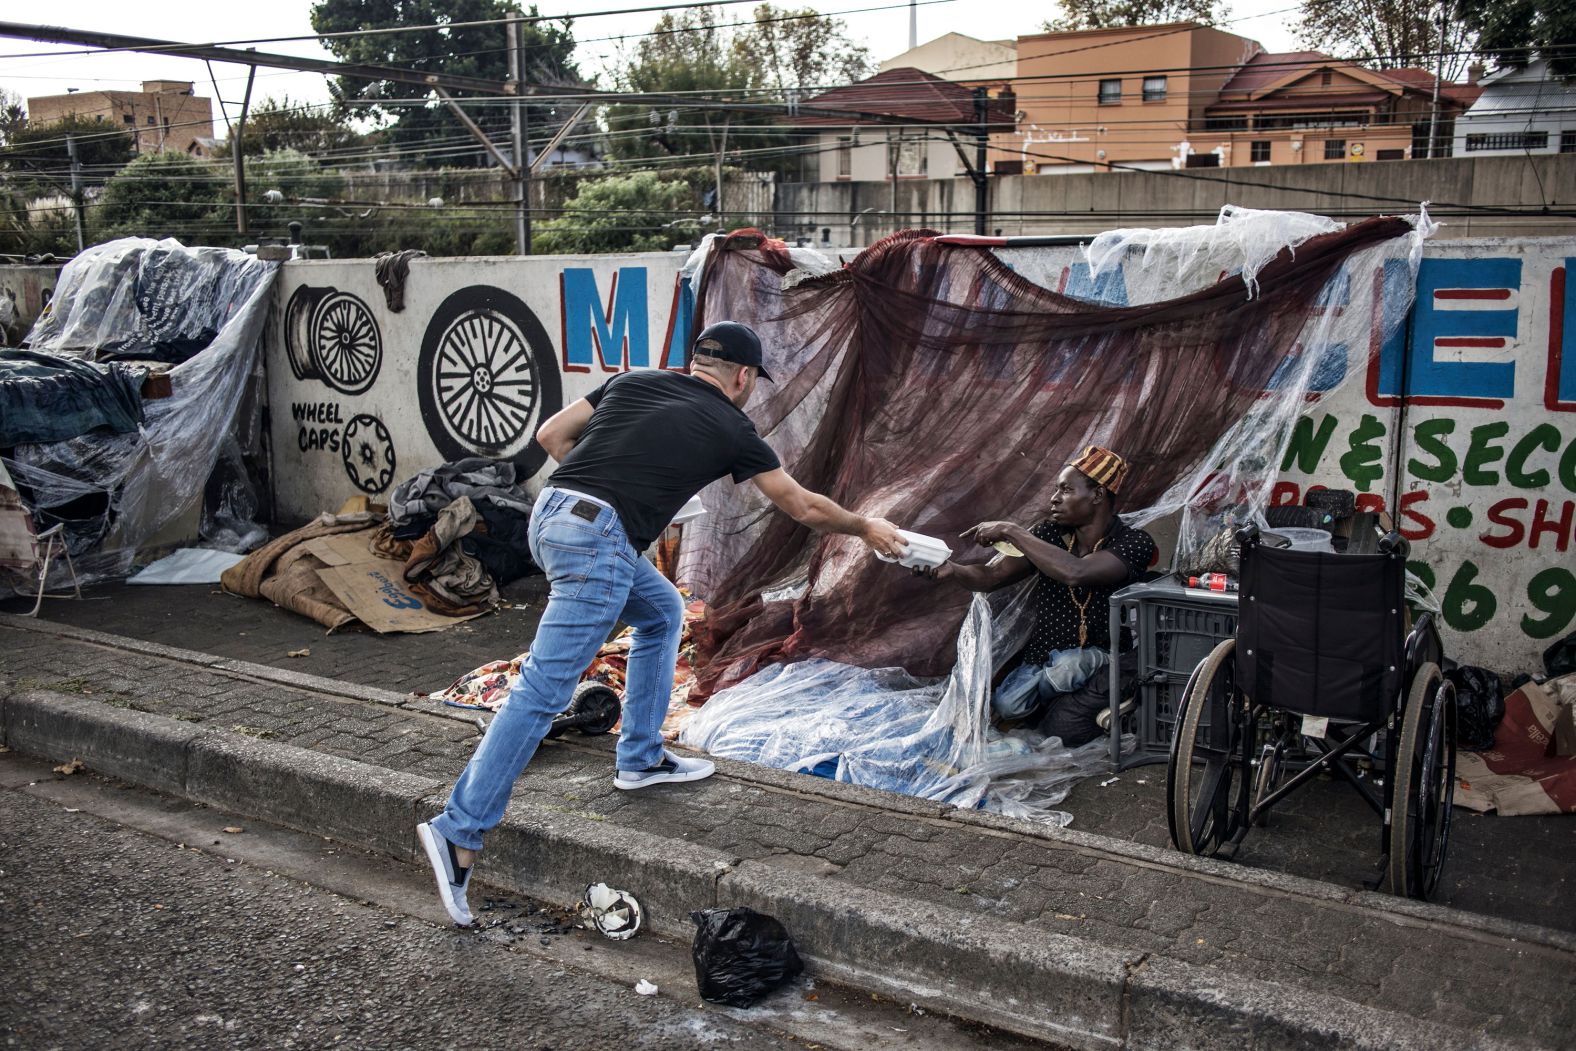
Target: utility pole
{"x":913,"y":24}
{"x":76,"y":187}
{"x":981,"y":144}
{"x":722,"y":149}
{"x":519,"y":127}
{"x":238,"y":154}
{"x":1439,"y":74}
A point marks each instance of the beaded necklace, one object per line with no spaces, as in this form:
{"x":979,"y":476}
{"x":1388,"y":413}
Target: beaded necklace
{"x":1083,"y":606}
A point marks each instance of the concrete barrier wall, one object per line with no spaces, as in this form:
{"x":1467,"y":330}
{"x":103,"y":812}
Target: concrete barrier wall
{"x":24,"y":293}
{"x":1470,"y":194}
{"x":1478,"y":464}
{"x":361,"y":397}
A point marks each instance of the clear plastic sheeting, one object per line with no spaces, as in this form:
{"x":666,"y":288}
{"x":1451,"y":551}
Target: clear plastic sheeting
{"x":115,"y":493}
{"x":1175,"y":260}
{"x":885,"y":729}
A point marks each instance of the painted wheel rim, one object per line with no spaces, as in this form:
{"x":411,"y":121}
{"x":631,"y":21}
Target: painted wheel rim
{"x":346,"y":343}
{"x":486,"y":381}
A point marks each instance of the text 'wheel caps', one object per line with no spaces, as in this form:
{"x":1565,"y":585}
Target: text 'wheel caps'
{"x":487,"y":382}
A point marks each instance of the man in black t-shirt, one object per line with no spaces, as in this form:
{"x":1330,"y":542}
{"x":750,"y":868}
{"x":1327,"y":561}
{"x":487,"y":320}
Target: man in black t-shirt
{"x":1079,"y":557}
{"x":630,"y":454}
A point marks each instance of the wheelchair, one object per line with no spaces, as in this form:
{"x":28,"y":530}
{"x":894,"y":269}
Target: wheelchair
{"x":1322,"y":672}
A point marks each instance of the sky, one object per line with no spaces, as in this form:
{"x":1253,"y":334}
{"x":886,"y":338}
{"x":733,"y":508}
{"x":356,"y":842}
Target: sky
{"x":884,"y":32}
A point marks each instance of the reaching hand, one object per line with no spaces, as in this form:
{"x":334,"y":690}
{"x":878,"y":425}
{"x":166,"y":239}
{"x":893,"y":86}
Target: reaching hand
{"x":883,"y":538}
{"x":941,"y":572}
{"x":988,"y":533}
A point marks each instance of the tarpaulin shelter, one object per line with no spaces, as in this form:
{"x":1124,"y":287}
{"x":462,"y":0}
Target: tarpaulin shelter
{"x":929,"y":382}
{"x":115,"y":488}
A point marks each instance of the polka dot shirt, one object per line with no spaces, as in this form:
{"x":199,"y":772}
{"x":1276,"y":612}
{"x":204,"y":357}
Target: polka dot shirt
{"x":1056,"y":612}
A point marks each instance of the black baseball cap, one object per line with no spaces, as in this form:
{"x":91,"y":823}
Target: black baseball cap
{"x":731,"y":341}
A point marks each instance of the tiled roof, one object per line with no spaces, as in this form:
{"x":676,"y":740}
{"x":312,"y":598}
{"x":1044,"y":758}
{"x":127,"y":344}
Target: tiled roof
{"x":1266,"y":68}
{"x":904,"y":92}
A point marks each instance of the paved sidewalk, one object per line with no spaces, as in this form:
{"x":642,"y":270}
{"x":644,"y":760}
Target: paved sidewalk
{"x":1520,"y":869}
{"x":1497,"y":980}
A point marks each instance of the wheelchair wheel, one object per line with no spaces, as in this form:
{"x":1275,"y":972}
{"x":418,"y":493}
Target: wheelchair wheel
{"x":1423,"y":782}
{"x":1206,"y":781}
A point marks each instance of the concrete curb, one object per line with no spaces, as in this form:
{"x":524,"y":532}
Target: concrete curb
{"x":1389,"y":907}
{"x":1073,"y":992}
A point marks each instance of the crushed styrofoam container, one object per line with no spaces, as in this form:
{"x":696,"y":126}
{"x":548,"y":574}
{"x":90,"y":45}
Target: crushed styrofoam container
{"x":923,"y":552}
{"x":645,"y":988}
{"x":615,"y":913}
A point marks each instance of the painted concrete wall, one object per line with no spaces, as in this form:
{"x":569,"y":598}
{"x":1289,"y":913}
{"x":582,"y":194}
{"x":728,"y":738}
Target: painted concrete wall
{"x":361,"y":397}
{"x":1478,"y":465}
{"x":24,"y":292}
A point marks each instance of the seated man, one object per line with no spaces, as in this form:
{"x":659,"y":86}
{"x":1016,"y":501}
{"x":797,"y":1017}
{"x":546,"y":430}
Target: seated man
{"x":1079,"y":556}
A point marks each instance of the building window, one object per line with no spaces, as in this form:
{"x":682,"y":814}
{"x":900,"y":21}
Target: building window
{"x":1324,"y":78}
{"x":1568,"y":142}
{"x":150,"y":120}
{"x":1508,"y":140}
{"x":130,"y":119}
{"x":1391,"y":155}
{"x":1260,"y":151}
{"x":1310,"y":120}
{"x":1110,"y":91}
{"x":845,"y":156}
{"x":1334,"y":149}
{"x":1154,"y":89}
{"x":1225,"y":123}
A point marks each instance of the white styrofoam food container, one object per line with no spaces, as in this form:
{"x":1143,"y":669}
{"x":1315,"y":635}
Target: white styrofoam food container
{"x":923,"y":552}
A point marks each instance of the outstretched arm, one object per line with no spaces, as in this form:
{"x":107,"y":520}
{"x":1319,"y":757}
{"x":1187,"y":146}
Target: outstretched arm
{"x":563,"y":429}
{"x":825,"y":515}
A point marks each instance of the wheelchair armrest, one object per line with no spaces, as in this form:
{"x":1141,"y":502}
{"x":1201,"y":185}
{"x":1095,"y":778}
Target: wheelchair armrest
{"x":1423,"y":645}
{"x":1393,"y":543}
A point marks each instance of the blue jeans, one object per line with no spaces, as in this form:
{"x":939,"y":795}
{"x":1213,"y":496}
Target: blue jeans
{"x":1028,"y":686}
{"x":597,"y":578}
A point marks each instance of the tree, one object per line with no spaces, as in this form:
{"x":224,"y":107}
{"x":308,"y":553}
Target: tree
{"x":1113,"y":14}
{"x":778,"y":52}
{"x":1387,"y":33}
{"x":167,"y":195}
{"x":801,"y":49}
{"x":38,"y":158}
{"x":618,"y":213}
{"x":1508,"y":31}
{"x":280,"y":124}
{"x":421,"y":122}
{"x":13,"y":117}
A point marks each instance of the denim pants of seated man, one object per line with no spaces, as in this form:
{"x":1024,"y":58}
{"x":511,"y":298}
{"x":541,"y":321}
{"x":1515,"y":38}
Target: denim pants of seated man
{"x":1029,"y":687}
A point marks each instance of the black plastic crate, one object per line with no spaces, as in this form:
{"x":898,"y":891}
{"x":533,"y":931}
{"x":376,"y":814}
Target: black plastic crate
{"x":1175,"y":634}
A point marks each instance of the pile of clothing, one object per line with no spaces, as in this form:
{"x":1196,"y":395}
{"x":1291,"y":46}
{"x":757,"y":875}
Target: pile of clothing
{"x":451,"y":536}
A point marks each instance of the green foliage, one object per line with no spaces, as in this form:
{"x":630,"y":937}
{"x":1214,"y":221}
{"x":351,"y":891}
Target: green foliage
{"x":618,"y":213}
{"x":280,"y":124}
{"x":782,"y":51}
{"x":38,"y":159}
{"x":1113,"y":14}
{"x":1386,"y":33}
{"x":1507,"y":30}
{"x":477,"y":51}
{"x":167,"y":195}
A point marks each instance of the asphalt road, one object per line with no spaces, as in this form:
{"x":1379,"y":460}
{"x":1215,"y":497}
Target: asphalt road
{"x":132,"y":920}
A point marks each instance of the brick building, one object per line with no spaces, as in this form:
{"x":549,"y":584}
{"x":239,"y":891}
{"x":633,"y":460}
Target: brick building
{"x":164,"y":116}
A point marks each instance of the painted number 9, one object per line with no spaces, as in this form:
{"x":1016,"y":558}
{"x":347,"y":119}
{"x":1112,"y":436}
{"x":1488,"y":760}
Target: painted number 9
{"x":1552,"y":591}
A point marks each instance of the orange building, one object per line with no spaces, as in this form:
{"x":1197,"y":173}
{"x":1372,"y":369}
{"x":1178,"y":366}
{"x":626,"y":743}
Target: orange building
{"x":164,"y":116}
{"x":1305,"y":107}
{"x":1129,"y":96}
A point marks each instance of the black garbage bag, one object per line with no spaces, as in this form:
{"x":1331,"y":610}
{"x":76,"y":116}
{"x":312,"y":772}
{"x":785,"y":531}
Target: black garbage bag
{"x":741,"y":956}
{"x":1480,"y":705}
{"x":1560,"y":658}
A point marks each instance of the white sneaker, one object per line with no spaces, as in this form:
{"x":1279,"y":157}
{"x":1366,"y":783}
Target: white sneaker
{"x":452,"y":878}
{"x":673,"y":768}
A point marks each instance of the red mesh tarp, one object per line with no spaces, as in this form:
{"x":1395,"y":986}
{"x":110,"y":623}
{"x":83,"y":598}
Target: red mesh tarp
{"x":931,"y":385}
